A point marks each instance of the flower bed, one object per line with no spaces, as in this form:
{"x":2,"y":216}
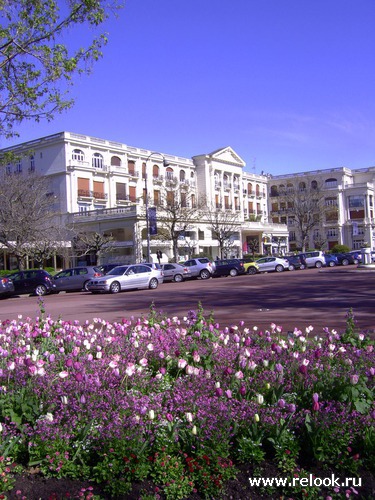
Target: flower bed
{"x":183,"y":403}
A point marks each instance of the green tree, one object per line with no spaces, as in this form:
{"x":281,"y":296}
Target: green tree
{"x":36,"y":66}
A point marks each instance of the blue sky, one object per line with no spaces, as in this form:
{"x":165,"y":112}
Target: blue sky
{"x":288,"y":84}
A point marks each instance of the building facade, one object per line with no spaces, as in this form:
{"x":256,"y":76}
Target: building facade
{"x":344,"y":214}
{"x":105,"y":186}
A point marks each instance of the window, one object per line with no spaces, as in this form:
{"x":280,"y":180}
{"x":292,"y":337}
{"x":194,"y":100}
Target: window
{"x":83,"y":186}
{"x":131,"y":167}
{"x":331,"y":202}
{"x":314,"y":185}
{"x":120,"y":191}
{"x":182,"y":175}
{"x":132,"y":193}
{"x":169,"y":173}
{"x":155,"y":171}
{"x":83,"y":208}
{"x":18,"y":168}
{"x":78,"y":155}
{"x":302,"y":186}
{"x":97,"y":160}
{"x":99,"y":190}
{"x":330,"y":183}
{"x":116,"y":161}
{"x":274,"y":190}
{"x":32,"y":164}
{"x":356,"y":201}
{"x":332,"y":233}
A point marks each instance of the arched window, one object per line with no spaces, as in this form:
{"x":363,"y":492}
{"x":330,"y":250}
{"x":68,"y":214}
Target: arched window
{"x":182,"y":175}
{"x":169,"y":173}
{"x":314,"y":185}
{"x":155,"y":171}
{"x":330,"y":183}
{"x":78,"y":155}
{"x":97,"y":160}
{"x":274,"y":191}
{"x":249,"y":188}
{"x":116,"y":161}
{"x":302,"y":186}
{"x":257,"y":191}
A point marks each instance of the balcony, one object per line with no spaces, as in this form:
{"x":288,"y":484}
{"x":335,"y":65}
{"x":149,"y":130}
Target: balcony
{"x":100,"y":196}
{"x":84,"y":193}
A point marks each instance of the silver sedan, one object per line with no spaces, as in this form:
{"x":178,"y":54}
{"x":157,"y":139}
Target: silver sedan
{"x":126,"y":278}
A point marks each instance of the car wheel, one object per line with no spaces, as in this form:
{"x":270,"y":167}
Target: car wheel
{"x":178,"y":278}
{"x":318,"y":264}
{"x":292,"y":267}
{"x":251,"y":270}
{"x":40,"y":290}
{"x":85,"y":286}
{"x":205,"y":274}
{"x":153,"y":283}
{"x":332,"y":264}
{"x":303,"y":266}
{"x":233,"y":272}
{"x":345,"y":262}
{"x":279,"y":268}
{"x":115,"y":287}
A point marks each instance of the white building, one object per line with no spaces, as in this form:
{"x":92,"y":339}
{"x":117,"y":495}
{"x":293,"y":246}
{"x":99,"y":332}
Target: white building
{"x":105,"y":186}
{"x":348,"y":216}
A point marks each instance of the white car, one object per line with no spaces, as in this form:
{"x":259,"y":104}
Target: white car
{"x":268,"y":264}
{"x":126,"y":278}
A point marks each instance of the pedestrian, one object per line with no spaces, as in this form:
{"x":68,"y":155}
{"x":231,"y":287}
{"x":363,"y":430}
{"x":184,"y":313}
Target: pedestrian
{"x":159,"y":255}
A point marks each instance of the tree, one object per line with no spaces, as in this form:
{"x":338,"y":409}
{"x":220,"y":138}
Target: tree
{"x":93,"y":244}
{"x":177,"y":212}
{"x":303,"y":201}
{"x":36,"y":66}
{"x":224,"y":225}
{"x":27,"y":219}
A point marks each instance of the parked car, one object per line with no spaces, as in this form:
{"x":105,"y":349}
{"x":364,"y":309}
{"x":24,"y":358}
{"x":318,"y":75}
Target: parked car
{"x":228,"y":267}
{"x":267,"y":264}
{"x":200,"y":267}
{"x":357,"y":255}
{"x":296,"y":262}
{"x":175,"y":272}
{"x":34,"y":281}
{"x":126,"y":278}
{"x":250,"y":267}
{"x":76,"y":278}
{"x":314,"y":258}
{"x":331,"y":259}
{"x":344,"y":259}
{"x":6,"y":286}
{"x":156,"y":267}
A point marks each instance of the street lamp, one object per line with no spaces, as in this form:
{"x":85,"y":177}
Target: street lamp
{"x":165,"y":164}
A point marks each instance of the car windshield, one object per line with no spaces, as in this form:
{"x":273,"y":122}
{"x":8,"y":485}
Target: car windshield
{"x":117,"y":271}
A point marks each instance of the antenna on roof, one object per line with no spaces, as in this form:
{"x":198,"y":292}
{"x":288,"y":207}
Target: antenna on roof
{"x":254,"y":164}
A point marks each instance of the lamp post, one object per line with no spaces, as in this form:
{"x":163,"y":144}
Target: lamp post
{"x":165,"y":164}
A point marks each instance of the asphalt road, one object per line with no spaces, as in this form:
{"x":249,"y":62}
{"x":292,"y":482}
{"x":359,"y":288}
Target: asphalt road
{"x":320,"y":298}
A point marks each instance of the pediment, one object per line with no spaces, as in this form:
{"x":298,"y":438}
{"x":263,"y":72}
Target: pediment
{"x":229,"y":156}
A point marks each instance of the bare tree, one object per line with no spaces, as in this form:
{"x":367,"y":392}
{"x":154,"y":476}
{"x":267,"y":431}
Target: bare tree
{"x":93,"y":244}
{"x":177,"y":212}
{"x":36,"y":65}
{"x":303,"y":201}
{"x":224,"y":225}
{"x":26,"y":216}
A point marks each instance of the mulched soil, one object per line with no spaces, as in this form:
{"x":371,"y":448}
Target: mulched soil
{"x":36,"y":487}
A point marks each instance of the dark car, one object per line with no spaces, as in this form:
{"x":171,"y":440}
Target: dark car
{"x":35,"y":281}
{"x":344,"y":259}
{"x":296,"y":262}
{"x":76,"y":278}
{"x":6,"y":286}
{"x":228,"y":267}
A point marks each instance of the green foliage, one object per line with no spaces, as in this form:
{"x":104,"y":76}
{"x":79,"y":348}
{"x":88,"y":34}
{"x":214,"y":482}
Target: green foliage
{"x":340,"y":249}
{"x":35,"y":64}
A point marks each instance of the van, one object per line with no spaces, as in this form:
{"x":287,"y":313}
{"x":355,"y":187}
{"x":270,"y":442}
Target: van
{"x":314,"y":259}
